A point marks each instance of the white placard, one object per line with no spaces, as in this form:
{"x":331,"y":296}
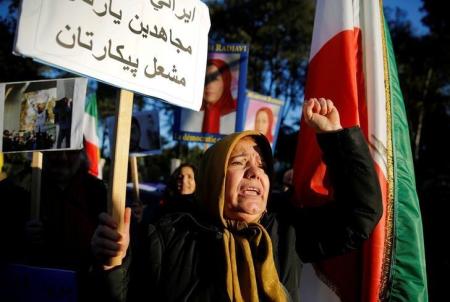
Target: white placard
{"x":156,"y":48}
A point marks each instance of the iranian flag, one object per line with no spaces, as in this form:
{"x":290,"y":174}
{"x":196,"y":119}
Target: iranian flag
{"x":91,"y":139}
{"x":353,"y":64}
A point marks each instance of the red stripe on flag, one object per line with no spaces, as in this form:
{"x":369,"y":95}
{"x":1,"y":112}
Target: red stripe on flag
{"x":93,"y":157}
{"x":336,"y":72}
{"x":357,"y":276}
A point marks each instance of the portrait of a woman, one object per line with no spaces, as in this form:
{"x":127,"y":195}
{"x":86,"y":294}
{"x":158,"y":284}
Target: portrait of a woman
{"x":264,"y":122}
{"x":218,"y":101}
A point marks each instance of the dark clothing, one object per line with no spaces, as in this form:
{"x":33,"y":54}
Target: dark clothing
{"x":182,"y":258}
{"x":158,"y":207}
{"x":63,"y":134}
{"x":179,"y":203}
{"x":63,"y":117}
{"x":69,"y":217}
{"x":63,"y":114}
{"x":15,"y":202}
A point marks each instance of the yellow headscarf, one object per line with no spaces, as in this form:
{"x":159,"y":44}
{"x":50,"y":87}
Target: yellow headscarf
{"x":250,"y":267}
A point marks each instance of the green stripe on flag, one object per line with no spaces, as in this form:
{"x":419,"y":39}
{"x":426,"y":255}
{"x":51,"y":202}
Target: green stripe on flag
{"x":91,"y":105}
{"x":408,"y":280}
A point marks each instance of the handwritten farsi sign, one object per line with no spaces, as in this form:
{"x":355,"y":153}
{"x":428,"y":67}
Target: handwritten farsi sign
{"x":156,"y":48}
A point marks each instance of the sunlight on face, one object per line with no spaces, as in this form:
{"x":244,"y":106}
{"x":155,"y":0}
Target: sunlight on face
{"x":214,"y":88}
{"x":186,"y":181}
{"x":247,"y":184}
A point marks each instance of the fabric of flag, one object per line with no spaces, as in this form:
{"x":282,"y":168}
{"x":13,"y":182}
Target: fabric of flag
{"x":353,"y":64}
{"x":91,"y":138}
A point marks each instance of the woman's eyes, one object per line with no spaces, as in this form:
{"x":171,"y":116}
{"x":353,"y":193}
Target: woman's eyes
{"x":261,"y":165}
{"x":237,"y":162}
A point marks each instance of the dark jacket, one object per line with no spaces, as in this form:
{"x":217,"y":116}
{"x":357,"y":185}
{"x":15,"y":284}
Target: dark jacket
{"x":181,"y":258}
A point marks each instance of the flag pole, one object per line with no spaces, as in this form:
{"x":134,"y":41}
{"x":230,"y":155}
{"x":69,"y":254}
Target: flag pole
{"x":135,"y":178}
{"x":36,"y":174}
{"x":119,"y":161}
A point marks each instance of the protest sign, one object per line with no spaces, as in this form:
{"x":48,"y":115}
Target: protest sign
{"x":42,"y":115}
{"x":262,"y":113}
{"x":156,"y":48}
{"x":144,"y":133}
{"x":223,"y":97}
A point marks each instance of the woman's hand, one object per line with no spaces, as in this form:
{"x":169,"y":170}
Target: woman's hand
{"x":107,"y":242}
{"x":322,"y":115}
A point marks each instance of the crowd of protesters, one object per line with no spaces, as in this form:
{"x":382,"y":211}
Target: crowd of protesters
{"x":27,"y":140}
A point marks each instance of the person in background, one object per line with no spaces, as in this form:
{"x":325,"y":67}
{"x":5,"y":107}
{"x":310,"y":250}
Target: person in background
{"x":15,"y":202}
{"x":288,"y":178}
{"x":179,"y":195}
{"x":232,"y":249}
{"x":71,"y":200}
{"x":63,"y":118}
{"x":40,"y":110}
{"x":135,"y":135}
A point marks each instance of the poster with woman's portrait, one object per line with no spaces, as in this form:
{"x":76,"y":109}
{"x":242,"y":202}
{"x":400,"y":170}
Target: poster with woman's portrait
{"x":144,"y":133}
{"x":42,"y":115}
{"x":223,"y":96}
{"x":263,"y":114}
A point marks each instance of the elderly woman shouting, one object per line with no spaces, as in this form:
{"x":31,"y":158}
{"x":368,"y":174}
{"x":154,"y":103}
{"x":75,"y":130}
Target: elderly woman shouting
{"x":231,"y":248}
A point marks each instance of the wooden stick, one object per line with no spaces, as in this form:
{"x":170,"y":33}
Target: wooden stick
{"x":119,"y":159}
{"x":135,"y":178}
{"x":2,"y":174}
{"x":36,"y":173}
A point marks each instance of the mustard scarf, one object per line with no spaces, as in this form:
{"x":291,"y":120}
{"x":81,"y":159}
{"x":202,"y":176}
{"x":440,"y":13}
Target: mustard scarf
{"x":250,"y":268}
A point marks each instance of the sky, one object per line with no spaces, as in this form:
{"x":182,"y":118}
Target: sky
{"x":412,"y":8}
{"x":3,"y":8}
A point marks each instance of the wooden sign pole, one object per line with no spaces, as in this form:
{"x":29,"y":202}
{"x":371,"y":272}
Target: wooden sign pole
{"x":119,"y":158}
{"x":36,"y":172}
{"x":135,"y":178}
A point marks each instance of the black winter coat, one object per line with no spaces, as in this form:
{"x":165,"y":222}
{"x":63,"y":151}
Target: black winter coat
{"x":182,"y":257}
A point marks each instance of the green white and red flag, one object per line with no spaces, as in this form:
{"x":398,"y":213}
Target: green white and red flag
{"x":352,"y":63}
{"x":91,"y":138}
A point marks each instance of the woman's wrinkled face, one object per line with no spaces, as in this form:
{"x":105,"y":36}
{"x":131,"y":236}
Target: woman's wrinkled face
{"x":262,"y":122}
{"x":214,"y":85}
{"x":246,"y":184}
{"x":186,"y":181}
